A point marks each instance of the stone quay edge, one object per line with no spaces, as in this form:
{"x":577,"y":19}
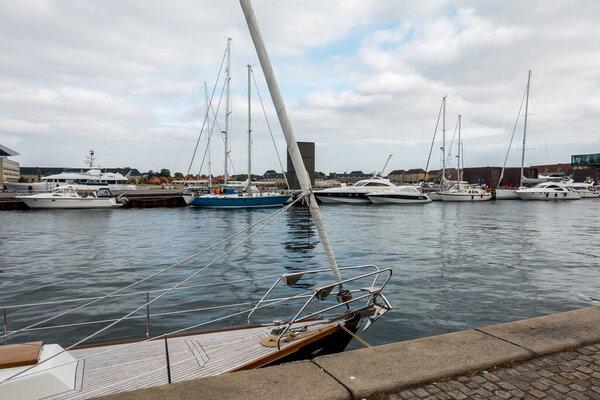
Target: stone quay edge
{"x":395,"y":366}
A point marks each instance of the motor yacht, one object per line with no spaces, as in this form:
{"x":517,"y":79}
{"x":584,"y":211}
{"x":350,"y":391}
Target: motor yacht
{"x":399,"y":195}
{"x":357,"y":193}
{"x":69,"y":196}
{"x":549,"y":191}
{"x":94,"y":178}
{"x":586,"y":190}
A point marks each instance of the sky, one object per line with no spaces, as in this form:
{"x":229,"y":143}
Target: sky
{"x":361,"y":78}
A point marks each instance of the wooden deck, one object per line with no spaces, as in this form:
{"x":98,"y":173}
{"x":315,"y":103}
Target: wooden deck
{"x":130,"y":366}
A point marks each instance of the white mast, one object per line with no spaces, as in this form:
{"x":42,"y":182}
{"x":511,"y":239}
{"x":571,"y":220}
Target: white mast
{"x":227,"y":108}
{"x":209,"y":135}
{"x":458,"y":165}
{"x":525,"y":130}
{"x":443,"y":142}
{"x":286,"y":127}
{"x":249,"y":134}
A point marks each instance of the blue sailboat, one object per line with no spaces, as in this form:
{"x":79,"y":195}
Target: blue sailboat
{"x":247,"y":197}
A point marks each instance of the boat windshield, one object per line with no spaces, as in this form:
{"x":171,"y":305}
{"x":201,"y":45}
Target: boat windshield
{"x":104,"y":192}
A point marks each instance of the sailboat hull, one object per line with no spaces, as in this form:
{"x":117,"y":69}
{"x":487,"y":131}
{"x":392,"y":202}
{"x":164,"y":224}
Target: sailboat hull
{"x":235,"y":201}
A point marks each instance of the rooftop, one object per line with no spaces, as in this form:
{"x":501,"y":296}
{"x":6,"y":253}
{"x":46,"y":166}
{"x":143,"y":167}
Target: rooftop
{"x":6,"y":152}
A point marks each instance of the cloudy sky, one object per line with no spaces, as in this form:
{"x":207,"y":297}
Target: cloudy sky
{"x":362,"y":79}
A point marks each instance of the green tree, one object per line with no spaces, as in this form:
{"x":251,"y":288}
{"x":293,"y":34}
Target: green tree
{"x":320,"y":174}
{"x":178,"y":175}
{"x":165,"y":172}
{"x":150,"y":173}
{"x":22,"y":179}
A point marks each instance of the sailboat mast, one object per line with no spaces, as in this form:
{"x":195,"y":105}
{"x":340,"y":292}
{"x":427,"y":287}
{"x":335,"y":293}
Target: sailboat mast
{"x":209,"y":134}
{"x":249,"y":132}
{"x":286,"y":127}
{"x":525,"y":130}
{"x":458,"y":165}
{"x":443,"y":141}
{"x":227,"y":108}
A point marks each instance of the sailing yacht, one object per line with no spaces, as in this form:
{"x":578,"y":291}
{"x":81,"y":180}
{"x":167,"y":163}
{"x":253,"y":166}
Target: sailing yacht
{"x":511,"y":194}
{"x":250,"y":197}
{"x":465,"y":192}
{"x":329,"y":315}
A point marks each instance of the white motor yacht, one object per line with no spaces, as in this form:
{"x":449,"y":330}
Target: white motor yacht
{"x":465,"y":193}
{"x":586,"y":190}
{"x":67,"y":197}
{"x":94,"y":178}
{"x":357,"y":193}
{"x":399,"y":195}
{"x":549,"y":191}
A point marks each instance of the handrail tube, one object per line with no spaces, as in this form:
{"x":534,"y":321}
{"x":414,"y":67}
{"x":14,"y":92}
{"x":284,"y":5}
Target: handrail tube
{"x":262,"y":298}
{"x":370,"y":294}
{"x":287,"y":328}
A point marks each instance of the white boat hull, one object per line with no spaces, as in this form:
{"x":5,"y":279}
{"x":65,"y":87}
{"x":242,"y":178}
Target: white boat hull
{"x":67,"y":203}
{"x":435,"y":196}
{"x":507,"y":194}
{"x":465,"y":197}
{"x":548,"y":196}
{"x":398,"y":198}
{"x":353,"y":198}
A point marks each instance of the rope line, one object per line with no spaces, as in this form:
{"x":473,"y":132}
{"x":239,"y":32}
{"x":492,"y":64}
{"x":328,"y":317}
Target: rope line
{"x":277,"y":213}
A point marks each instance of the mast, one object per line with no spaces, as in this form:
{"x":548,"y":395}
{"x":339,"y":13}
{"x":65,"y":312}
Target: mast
{"x":249,"y":134}
{"x":286,"y":127}
{"x":443,"y":141}
{"x":227,"y":108}
{"x":458,"y":165}
{"x":525,"y":130}
{"x":209,"y":134}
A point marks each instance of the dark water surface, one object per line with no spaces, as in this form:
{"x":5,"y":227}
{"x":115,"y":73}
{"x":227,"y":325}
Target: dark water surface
{"x":456,"y":266}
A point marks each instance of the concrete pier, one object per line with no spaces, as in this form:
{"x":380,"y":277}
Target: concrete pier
{"x":397,"y":370}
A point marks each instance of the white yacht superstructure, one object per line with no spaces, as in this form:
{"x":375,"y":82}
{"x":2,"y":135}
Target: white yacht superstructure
{"x":586,"y":190}
{"x":549,"y":191}
{"x":357,"y":193}
{"x":93,"y":177}
{"x":399,"y":195}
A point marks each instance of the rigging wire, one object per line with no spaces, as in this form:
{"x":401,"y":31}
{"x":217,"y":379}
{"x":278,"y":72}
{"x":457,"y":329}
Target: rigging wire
{"x":511,"y":138}
{"x":206,"y":114}
{"x":270,"y":130}
{"x":274,"y":216}
{"x":277,"y":213}
{"x":433,"y":140}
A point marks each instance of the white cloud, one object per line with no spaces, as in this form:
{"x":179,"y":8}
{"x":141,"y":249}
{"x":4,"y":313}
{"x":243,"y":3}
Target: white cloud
{"x":361,"y":78}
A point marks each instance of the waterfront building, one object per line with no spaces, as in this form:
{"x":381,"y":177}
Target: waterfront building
{"x":9,"y":169}
{"x":273,"y":176}
{"x":414,"y":175}
{"x":352,"y":177}
{"x":307,"y":151}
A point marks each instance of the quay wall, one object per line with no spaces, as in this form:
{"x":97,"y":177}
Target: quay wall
{"x":392,"y":367}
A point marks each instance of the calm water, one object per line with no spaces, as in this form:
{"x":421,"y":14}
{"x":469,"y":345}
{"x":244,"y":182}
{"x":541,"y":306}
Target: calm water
{"x":456,"y":266}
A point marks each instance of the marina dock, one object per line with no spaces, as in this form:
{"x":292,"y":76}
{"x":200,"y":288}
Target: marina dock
{"x":556,"y":355}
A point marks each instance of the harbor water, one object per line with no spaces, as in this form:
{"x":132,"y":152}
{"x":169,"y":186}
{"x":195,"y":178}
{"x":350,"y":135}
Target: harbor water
{"x":455,"y":265}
